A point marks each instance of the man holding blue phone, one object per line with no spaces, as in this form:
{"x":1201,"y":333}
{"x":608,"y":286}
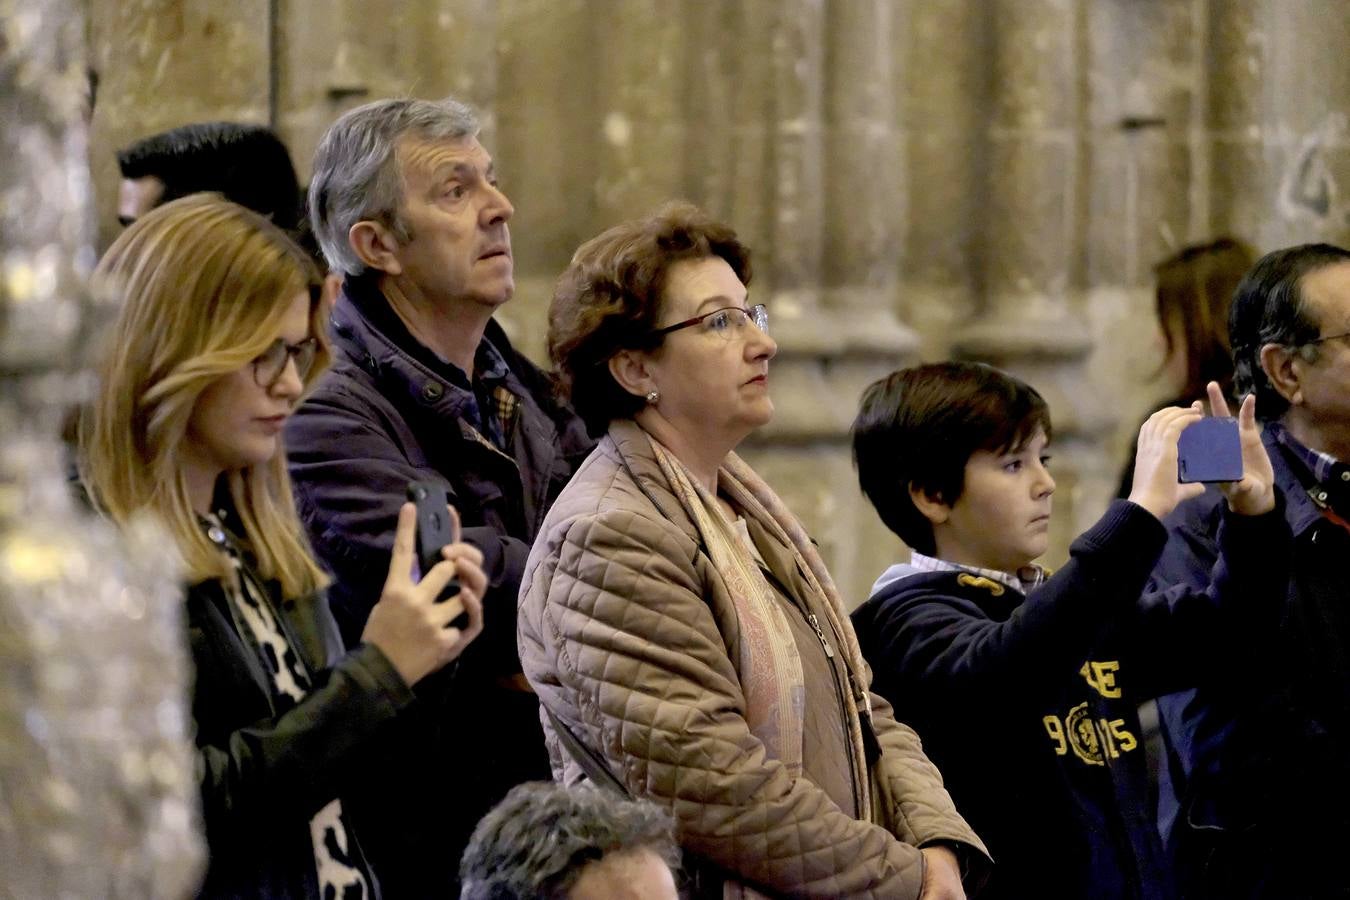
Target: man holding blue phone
{"x":1265,"y":751}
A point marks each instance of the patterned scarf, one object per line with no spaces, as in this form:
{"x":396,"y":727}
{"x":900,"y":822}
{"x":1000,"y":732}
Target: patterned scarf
{"x":769,"y":666}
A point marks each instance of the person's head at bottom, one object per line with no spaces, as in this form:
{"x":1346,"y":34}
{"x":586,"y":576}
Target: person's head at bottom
{"x":550,"y":842}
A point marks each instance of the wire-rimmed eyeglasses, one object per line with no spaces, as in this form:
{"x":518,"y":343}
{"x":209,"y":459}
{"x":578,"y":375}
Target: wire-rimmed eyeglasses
{"x":1325,"y":338}
{"x":724,"y":322}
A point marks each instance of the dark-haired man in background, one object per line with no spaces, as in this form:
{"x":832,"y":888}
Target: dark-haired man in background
{"x":248,"y":164}
{"x":1266,"y":805}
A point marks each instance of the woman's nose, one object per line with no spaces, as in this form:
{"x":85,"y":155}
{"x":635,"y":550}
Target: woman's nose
{"x":758,"y":344}
{"x":289,"y":384}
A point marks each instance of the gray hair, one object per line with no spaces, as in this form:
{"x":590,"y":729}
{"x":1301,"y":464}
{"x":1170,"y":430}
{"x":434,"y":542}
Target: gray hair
{"x":356,"y":172}
{"x":535,"y":843}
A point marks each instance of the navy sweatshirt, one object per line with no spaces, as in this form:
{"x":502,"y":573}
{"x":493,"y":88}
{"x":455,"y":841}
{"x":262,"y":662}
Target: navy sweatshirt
{"x":1027,"y":704}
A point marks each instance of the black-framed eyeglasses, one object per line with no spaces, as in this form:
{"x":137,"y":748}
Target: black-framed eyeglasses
{"x":269,"y":365}
{"x":725,"y":322}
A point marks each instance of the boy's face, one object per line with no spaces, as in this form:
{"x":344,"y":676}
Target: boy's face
{"x":1002,"y":518}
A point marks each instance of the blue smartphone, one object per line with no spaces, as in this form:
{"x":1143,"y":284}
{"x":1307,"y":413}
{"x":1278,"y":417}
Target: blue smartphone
{"x":1209,"y":450}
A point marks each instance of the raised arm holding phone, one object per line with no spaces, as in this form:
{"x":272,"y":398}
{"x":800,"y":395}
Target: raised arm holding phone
{"x":1022,"y":683}
{"x":219,"y":335}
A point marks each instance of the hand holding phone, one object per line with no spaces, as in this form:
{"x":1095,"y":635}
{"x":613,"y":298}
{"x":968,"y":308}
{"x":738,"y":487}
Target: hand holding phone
{"x":1249,"y":486}
{"x":437,"y":528}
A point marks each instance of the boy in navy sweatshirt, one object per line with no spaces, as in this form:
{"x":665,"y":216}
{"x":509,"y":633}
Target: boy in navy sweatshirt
{"x":1024,"y":685}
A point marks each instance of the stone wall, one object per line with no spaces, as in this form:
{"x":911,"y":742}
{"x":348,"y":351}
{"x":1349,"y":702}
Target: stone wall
{"x":990,"y":179}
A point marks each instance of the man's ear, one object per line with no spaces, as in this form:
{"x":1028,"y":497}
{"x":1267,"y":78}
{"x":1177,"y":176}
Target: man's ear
{"x":932,"y":506}
{"x":630,"y":370}
{"x":1283,"y":367}
{"x":332,"y":286}
{"x":374,"y":245}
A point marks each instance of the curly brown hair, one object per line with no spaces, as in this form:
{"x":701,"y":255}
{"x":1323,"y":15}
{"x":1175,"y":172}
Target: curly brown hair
{"x":609,"y":299}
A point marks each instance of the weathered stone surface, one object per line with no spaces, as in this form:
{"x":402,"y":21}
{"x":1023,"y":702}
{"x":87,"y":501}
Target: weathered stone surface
{"x":164,"y":63}
{"x":1136,"y":215}
{"x":994,"y":178}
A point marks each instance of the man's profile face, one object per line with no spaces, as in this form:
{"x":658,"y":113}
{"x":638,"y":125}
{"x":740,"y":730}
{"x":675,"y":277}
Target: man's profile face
{"x":630,"y":875}
{"x":1325,"y":383}
{"x":137,"y":196}
{"x":460,"y":246}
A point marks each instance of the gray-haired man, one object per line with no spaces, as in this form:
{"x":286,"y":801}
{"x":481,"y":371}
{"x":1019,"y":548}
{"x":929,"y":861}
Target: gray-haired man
{"x":405,"y":204}
{"x":550,"y":842}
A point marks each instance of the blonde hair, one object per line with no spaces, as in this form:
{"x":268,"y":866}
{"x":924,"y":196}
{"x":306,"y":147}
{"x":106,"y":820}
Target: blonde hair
{"x":204,"y":286}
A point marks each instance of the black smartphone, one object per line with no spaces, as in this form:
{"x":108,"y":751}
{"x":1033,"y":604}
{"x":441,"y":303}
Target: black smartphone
{"x":1209,"y":450}
{"x":434,"y":532}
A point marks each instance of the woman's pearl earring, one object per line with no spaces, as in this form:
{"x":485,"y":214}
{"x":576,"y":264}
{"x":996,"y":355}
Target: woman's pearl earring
{"x":653,"y":396}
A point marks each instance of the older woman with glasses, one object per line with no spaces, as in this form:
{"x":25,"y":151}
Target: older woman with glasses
{"x":685,"y":639}
{"x":219,"y":335}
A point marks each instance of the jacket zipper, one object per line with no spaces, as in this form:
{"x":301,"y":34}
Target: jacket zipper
{"x":843,"y":710}
{"x":820,"y":633}
{"x":840,"y":697}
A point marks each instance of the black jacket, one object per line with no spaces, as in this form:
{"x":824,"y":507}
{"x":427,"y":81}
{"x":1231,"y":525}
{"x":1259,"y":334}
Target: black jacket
{"x":1027,"y":704}
{"x":1267,"y":744}
{"x":264,"y":774}
{"x":387,"y":413}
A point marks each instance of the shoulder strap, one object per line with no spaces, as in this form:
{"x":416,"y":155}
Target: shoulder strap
{"x":591,"y":763}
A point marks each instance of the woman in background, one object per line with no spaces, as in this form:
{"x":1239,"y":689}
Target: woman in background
{"x":219,"y":335}
{"x":1194,"y":290}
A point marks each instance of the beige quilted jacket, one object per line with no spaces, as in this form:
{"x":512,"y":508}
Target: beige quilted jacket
{"x":626,"y":632}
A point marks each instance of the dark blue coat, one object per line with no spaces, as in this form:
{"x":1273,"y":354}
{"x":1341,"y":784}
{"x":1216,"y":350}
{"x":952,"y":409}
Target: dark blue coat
{"x":1027,"y":704}
{"x":1266,"y":742}
{"x":390,"y":412}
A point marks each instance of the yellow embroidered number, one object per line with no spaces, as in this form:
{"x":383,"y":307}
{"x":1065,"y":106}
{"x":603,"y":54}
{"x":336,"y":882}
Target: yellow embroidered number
{"x":1123,"y":740}
{"x":1055,"y":728}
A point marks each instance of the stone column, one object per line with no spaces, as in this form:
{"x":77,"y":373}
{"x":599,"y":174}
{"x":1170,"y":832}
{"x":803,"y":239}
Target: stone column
{"x":865,"y":202}
{"x":98,"y":790}
{"x":793,"y":256}
{"x":1032,"y":224}
{"x":1144,"y":102}
{"x":639,"y":142}
{"x":546,"y":122}
{"x":162,"y":64}
{"x":1278,"y":76}
{"x":329,"y":59}
{"x":941,"y":99}
{"x":864,"y":220}
{"x":1031,"y":180}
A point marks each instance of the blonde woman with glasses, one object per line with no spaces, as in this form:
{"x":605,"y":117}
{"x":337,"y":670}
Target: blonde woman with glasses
{"x":219,"y":335}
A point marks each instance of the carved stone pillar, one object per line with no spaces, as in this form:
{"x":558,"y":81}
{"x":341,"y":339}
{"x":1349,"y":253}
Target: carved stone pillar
{"x":546,"y":112}
{"x":332,"y":56}
{"x":98,"y":791}
{"x":865,"y":202}
{"x":1278,"y":76}
{"x":941,"y":108}
{"x":1031,"y":225}
{"x":153,"y":58}
{"x":1141,"y":146}
{"x":793,"y":255}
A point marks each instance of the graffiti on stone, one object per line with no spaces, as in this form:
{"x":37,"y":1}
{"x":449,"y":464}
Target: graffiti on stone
{"x":1308,"y":190}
